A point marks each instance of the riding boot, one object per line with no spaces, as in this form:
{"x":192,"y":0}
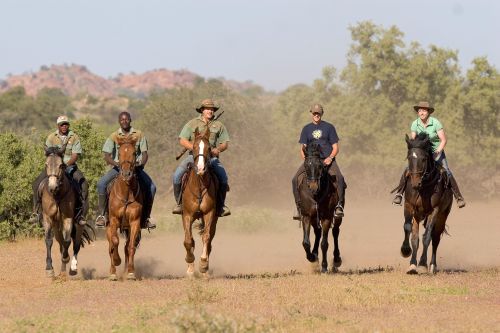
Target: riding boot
{"x":456,"y":191}
{"x":339,"y":209}
{"x":35,"y":216}
{"x":177,"y":195}
{"x":398,"y":199}
{"x":147,"y":207}
{"x":101,"y":220}
{"x":222,"y":209}
{"x":297,"y":216}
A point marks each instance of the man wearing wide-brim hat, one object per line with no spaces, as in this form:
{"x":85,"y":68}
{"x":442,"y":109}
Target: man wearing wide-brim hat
{"x":219,"y":139}
{"x":434,"y":129}
{"x":64,"y":136}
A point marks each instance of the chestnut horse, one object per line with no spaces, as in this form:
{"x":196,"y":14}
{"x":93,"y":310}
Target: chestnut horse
{"x":199,"y":202}
{"x":58,"y":211}
{"x":428,"y":199}
{"x":125,"y":209}
{"x":318,"y":199}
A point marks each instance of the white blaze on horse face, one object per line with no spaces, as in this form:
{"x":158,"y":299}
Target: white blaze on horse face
{"x":414,"y":155}
{"x":201,"y":158}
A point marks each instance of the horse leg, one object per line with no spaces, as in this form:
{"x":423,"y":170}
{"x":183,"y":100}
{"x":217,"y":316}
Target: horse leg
{"x":187,"y":222}
{"x":426,"y":240}
{"x":337,"y":260}
{"x":306,"y":243}
{"x":49,"y":240}
{"x":414,"y":246}
{"x":325,"y":228}
{"x":113,"y":241}
{"x":77,"y":242}
{"x":436,"y":238}
{"x":405,"y":247}
{"x":135,"y":227}
{"x":317,"y":238}
{"x":210,"y":221}
{"x":65,"y":242}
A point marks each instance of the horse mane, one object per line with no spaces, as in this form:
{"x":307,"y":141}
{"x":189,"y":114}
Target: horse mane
{"x":421,"y":141}
{"x":312,"y":150}
{"x":52,"y":150}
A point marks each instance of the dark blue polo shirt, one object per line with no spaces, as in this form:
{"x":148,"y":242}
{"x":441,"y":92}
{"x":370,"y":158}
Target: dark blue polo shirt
{"x":323,"y":133}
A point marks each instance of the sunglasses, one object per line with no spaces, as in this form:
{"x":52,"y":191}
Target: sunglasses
{"x":317,"y":114}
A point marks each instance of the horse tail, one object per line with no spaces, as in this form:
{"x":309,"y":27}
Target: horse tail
{"x":201,"y":227}
{"x":88,"y":235}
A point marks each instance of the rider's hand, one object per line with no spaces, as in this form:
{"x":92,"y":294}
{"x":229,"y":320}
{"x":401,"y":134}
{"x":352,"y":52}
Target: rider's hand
{"x":215,"y":152}
{"x":327,"y":161}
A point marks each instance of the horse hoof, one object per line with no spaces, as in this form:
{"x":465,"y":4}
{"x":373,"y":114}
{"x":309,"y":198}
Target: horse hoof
{"x":335,"y":269}
{"x":405,"y":251}
{"x":112,"y":277}
{"x":117,"y":262}
{"x":73,"y":272}
{"x":49,"y":273}
{"x":433,"y":269}
{"x":412,"y":269}
{"x":65,"y":260}
{"x":324,"y":270}
{"x":203,"y":265}
{"x":131,"y":277}
{"x":312,"y":258}
{"x":337,"y":262}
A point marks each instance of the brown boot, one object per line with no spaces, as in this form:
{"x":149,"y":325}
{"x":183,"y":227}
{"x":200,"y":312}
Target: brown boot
{"x":456,"y":192}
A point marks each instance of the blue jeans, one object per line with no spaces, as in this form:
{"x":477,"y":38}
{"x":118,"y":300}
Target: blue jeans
{"x":214,"y":163}
{"x":442,"y":160}
{"x":145,"y":181}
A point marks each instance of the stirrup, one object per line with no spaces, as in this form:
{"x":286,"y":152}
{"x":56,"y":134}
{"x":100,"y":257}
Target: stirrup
{"x":100,"y":221}
{"x":150,"y":225}
{"x":460,"y":202}
{"x":82,"y":221}
{"x":297,"y":216}
{"x":339,"y":211}
{"x":34,"y":218}
{"x":398,"y":199}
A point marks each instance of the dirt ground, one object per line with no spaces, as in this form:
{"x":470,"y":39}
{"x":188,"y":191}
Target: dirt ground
{"x":261,"y":280}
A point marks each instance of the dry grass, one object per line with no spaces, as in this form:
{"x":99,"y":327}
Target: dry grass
{"x":261,"y":282}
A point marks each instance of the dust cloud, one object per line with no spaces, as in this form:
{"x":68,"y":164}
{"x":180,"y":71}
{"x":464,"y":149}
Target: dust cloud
{"x":370,"y":236}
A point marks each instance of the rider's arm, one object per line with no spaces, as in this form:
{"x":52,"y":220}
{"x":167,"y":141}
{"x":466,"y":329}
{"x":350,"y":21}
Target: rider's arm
{"x":302,"y":152}
{"x":144,"y":158}
{"x":335,"y":151}
{"x":109,"y":160}
{"x":442,"y":139}
{"x":220,"y":148}
{"x":186,"y":144}
{"x":73,"y":159}
{"x":413,"y":135}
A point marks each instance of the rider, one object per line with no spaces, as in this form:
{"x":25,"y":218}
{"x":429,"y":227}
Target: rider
{"x":326,"y":136}
{"x":110,"y":150}
{"x":63,"y":135}
{"x":219,"y":139}
{"x":431,"y":126}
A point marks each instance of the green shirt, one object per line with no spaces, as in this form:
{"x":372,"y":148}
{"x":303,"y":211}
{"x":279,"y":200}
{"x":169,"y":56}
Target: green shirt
{"x":433,"y":126}
{"x":111,"y":145}
{"x":218,"y":132}
{"x":73,"y":146}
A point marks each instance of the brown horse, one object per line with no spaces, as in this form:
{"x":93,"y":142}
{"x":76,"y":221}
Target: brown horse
{"x":428,"y":199}
{"x":318,"y":199}
{"x":58,"y":210}
{"x":199,"y":202}
{"x":125,"y":209}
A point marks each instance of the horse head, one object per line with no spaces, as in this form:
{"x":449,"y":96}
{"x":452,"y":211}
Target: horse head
{"x":54,"y":167}
{"x":126,"y":157}
{"x":313,"y":166}
{"x":420,"y":159}
{"x":201,"y":151}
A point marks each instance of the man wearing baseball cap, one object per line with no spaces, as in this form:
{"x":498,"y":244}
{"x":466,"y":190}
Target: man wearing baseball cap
{"x":325,"y":134}
{"x":64,"y":136}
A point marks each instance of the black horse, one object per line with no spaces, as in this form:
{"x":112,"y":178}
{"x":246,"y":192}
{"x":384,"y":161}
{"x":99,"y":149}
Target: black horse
{"x":318,"y":199}
{"x":428,"y":199}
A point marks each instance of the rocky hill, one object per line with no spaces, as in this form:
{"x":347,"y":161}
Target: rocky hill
{"x":76,"y":79}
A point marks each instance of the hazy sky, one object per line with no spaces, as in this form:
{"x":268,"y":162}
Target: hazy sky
{"x":275,"y":43}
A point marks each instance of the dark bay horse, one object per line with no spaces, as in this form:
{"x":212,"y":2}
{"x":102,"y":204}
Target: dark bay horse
{"x":428,"y":199}
{"x":318,"y":199}
{"x":125,"y":209}
{"x":199,"y":200}
{"x":58,"y":211}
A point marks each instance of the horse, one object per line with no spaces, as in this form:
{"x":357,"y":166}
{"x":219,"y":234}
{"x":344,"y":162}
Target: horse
{"x":58,"y":211}
{"x":318,"y":199}
{"x":199,"y":201}
{"x":427,"y":199}
{"x":125,"y":209}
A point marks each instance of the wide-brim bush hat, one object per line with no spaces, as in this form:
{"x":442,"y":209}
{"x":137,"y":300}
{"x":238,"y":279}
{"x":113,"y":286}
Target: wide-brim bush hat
{"x":62,"y":120}
{"x":423,"y":105}
{"x":207,"y":103}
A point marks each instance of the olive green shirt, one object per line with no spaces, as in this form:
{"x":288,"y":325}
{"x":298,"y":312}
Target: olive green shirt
{"x":218,"y":132}
{"x":73,"y":146}
{"x":111,"y":145}
{"x":433,"y":126}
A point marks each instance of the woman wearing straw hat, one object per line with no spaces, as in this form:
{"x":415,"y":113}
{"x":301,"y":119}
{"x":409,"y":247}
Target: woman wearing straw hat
{"x":434,"y":128}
